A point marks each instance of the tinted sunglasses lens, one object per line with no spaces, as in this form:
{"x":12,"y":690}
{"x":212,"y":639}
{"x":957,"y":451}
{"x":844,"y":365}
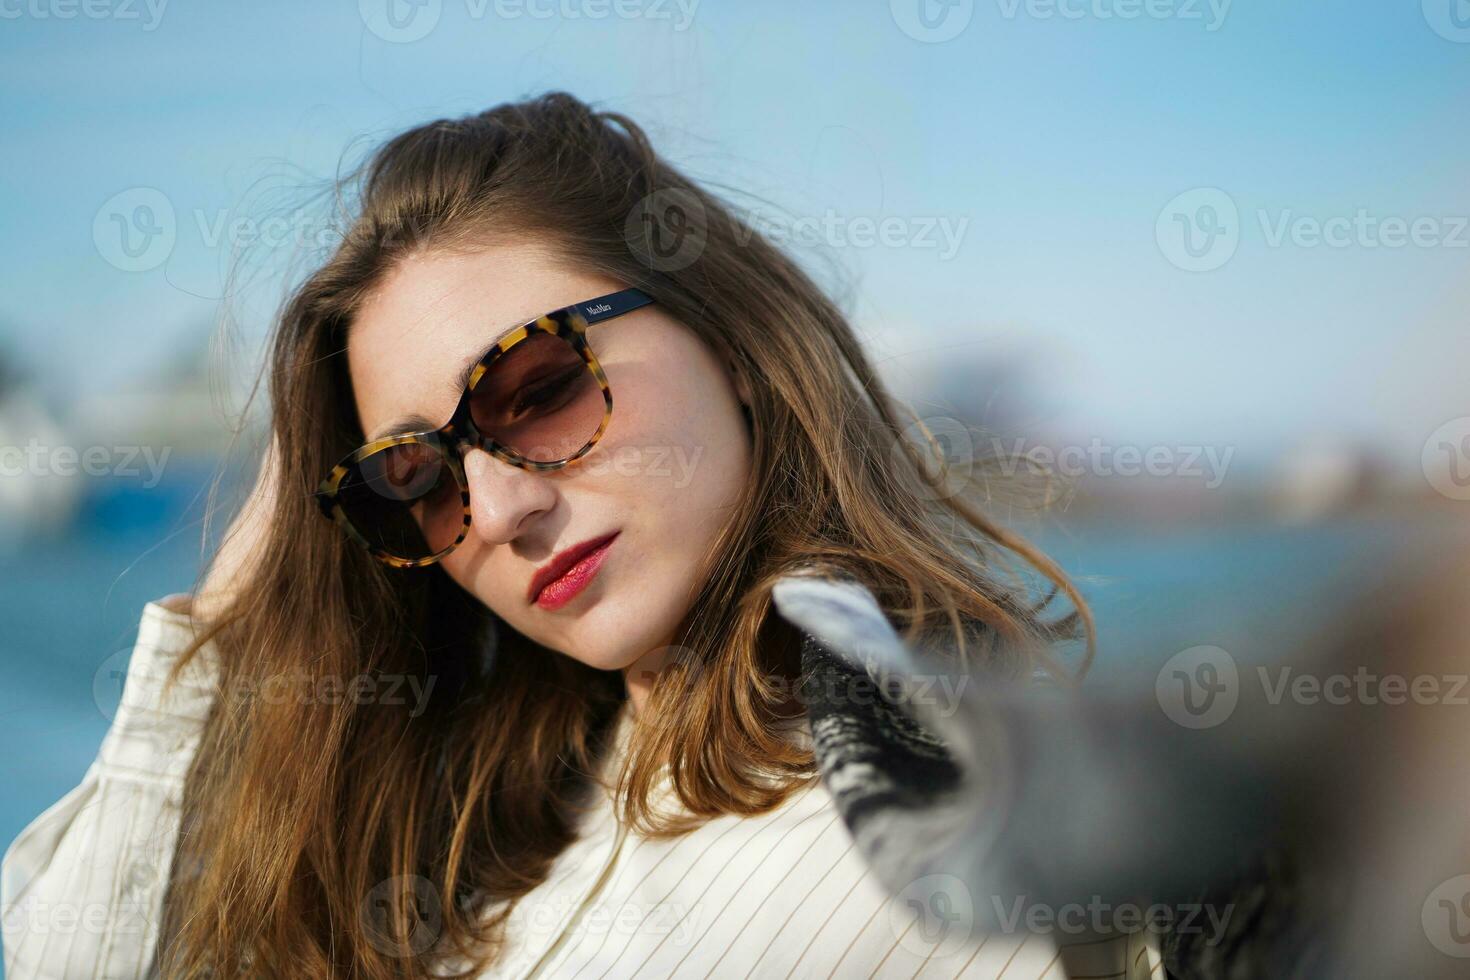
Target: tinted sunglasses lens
{"x":540,"y":399}
{"x":405,"y":500}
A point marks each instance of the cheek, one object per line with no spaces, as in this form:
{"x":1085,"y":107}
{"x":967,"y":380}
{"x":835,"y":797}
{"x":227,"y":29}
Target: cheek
{"x":678,"y":443}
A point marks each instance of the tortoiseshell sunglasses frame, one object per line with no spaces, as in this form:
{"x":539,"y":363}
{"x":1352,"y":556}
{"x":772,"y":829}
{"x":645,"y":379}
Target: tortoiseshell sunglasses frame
{"x":570,"y":323}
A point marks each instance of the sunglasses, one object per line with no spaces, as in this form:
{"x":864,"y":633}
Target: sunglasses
{"x":537,"y":400}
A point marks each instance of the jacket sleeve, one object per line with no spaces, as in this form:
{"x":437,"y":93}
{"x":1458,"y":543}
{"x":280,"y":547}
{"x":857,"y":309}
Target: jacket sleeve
{"x":82,"y":887}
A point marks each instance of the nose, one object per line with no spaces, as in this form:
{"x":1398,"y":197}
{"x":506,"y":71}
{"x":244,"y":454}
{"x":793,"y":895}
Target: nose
{"x":505,"y":500}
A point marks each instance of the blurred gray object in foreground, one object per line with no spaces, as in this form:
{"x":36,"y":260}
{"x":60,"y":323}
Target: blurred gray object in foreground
{"x":1325,"y":832}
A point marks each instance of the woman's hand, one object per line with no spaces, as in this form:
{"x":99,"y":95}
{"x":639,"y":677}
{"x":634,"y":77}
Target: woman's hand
{"x":240,"y":549}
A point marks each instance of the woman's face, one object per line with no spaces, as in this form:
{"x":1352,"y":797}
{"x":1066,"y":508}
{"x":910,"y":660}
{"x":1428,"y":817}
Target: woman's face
{"x":665,"y":475}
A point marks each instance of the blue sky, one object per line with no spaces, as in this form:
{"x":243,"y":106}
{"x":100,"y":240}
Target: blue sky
{"x":1050,"y":138}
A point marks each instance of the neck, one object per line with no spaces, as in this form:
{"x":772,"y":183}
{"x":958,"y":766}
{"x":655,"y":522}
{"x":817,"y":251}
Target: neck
{"x":641,"y":673}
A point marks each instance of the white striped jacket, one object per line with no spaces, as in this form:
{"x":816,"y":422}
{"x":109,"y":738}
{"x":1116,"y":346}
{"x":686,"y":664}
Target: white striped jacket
{"x":784,"y":894}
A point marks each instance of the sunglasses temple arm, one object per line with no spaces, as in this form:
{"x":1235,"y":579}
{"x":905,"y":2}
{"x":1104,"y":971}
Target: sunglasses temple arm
{"x":614,"y":304}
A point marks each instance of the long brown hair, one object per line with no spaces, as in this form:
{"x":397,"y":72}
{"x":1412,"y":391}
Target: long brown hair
{"x":316,"y":834}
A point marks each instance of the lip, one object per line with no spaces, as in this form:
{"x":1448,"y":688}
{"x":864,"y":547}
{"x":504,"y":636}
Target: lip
{"x":556,"y":582}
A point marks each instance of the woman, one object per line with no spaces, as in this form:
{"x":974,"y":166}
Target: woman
{"x":485,"y":679}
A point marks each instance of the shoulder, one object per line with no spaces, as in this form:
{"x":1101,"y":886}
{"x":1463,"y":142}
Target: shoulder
{"x":159,"y":720}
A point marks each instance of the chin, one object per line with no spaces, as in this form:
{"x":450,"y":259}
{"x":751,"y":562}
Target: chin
{"x":604,"y":659}
{"x":615,"y":639}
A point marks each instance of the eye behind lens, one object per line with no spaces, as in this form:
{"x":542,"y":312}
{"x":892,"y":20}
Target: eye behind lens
{"x":405,"y":500}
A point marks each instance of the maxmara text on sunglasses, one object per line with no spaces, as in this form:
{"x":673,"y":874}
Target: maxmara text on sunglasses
{"x":538,"y":399}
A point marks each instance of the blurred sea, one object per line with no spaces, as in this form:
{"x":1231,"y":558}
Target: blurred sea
{"x":70,"y":603}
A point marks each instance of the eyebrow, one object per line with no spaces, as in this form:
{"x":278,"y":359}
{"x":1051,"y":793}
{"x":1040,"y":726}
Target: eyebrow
{"x":418,"y":423}
{"x":593,"y":311}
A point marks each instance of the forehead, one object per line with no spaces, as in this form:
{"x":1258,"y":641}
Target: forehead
{"x":434,"y":310}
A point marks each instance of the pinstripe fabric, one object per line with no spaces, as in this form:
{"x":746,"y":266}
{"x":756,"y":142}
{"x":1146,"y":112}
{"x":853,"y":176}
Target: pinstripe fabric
{"x":783,"y":894}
